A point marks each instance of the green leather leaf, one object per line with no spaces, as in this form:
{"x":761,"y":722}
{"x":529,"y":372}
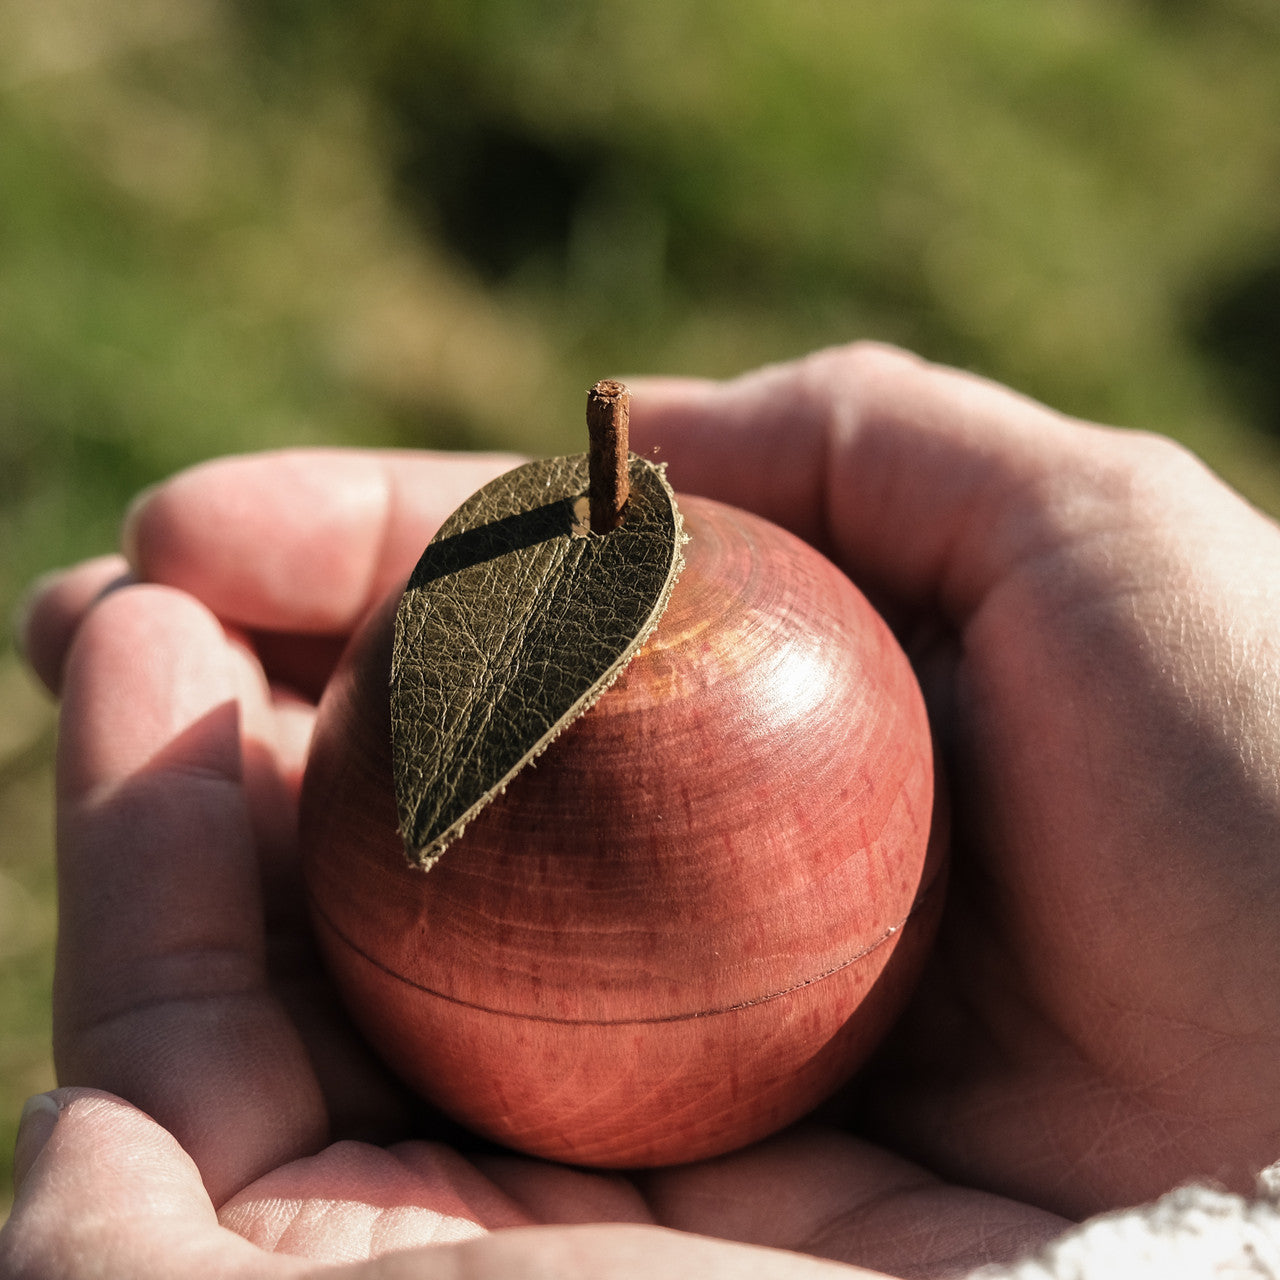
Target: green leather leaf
{"x":514,"y":622}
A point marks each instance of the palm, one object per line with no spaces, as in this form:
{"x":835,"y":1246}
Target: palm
{"x":263,"y":1081}
{"x":1098,"y":1023}
{"x":1089,"y":1029}
{"x":843,"y":1200}
{"x":847,"y":1200}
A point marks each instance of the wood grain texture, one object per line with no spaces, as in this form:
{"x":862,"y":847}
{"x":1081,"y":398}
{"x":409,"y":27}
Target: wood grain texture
{"x":693,"y":917}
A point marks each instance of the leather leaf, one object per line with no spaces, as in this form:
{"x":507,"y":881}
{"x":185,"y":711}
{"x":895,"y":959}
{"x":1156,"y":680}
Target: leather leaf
{"x":514,"y":622}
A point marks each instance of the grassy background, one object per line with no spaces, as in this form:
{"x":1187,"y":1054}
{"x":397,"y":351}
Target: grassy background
{"x":232,"y":224}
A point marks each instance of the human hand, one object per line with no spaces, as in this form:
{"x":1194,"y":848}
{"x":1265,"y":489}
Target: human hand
{"x":245,"y":1130}
{"x":1095,"y":620}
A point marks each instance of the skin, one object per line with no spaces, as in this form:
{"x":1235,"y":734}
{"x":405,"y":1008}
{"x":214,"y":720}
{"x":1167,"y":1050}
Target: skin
{"x":1092,"y":615}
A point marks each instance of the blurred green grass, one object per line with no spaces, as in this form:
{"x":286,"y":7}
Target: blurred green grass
{"x":235,"y":224}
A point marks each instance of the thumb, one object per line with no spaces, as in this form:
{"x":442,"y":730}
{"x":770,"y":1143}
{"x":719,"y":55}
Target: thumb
{"x":104,"y":1190}
{"x":925,"y":483}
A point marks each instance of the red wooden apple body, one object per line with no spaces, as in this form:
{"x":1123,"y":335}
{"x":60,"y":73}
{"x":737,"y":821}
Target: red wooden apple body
{"x":693,"y":917}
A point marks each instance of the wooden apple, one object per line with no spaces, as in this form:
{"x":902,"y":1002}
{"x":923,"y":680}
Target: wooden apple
{"x":693,"y":917}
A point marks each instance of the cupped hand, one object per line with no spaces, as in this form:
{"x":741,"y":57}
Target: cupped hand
{"x":218,"y":1115}
{"x":1097,"y":625}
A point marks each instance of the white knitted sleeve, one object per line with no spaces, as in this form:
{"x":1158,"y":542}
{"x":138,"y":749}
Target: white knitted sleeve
{"x":1194,"y":1233}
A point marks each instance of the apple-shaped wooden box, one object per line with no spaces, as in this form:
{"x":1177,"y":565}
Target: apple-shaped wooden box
{"x":693,"y":916}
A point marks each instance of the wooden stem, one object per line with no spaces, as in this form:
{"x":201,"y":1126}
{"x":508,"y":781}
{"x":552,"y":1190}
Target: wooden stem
{"x":608,"y":410}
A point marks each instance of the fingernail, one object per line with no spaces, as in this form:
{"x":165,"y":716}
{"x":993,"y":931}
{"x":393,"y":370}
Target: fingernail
{"x":129,"y":525}
{"x":35,"y":1128}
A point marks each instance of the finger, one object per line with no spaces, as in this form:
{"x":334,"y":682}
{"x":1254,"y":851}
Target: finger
{"x":608,"y":1252}
{"x":922,"y":480}
{"x":295,"y":720}
{"x":111,"y":1193}
{"x":54,"y":608}
{"x":360,"y":1097}
{"x":556,"y":1193}
{"x":353,"y":1200}
{"x":302,"y":540}
{"x":305,"y":663}
{"x":161,"y":992}
{"x":840,"y":1198}
{"x":270,"y":767}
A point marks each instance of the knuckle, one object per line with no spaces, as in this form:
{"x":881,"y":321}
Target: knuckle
{"x":1162,"y":458}
{"x":1150,"y":473}
{"x":860,"y":361}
